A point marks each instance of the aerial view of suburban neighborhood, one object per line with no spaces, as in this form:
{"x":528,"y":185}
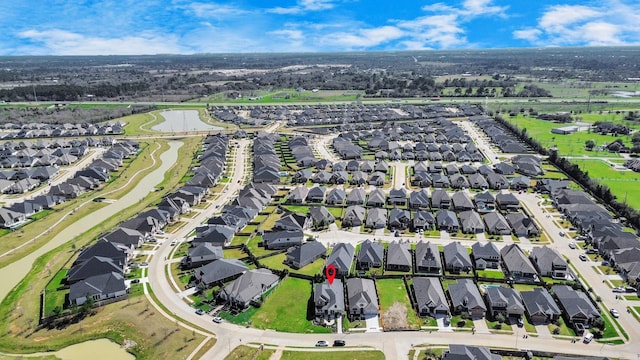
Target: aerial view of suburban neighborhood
{"x":457,"y":204}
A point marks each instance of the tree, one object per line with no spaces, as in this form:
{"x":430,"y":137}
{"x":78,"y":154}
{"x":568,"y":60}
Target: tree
{"x":589,"y":144}
{"x":500,"y":318}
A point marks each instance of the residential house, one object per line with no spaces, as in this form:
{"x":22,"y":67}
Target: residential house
{"x":471,"y":222}
{"x":10,"y":219}
{"x":398,"y":256}
{"x":440,"y":199}
{"x":356,"y":197}
{"x":447,"y":220}
{"x":522,"y":225}
{"x":477,"y":181}
{"x":218,"y":272}
{"x":466,"y":298}
{"x":371,"y":254}
{"x":282,"y":239}
{"x":505,"y":301}
{"x":293,"y":221}
{"x":303,"y":255}
{"x":320,"y":217}
{"x":376,"y":198}
{"x":576,"y":305}
{"x":427,"y":258}
{"x":125,"y":236}
{"x":520,"y":183}
{"x":298,"y":195}
{"x":549,"y":262}
{"x":459,"y":181}
{"x":353,"y":216}
{"x":98,"y":287}
{"x":419,"y":199}
{"x":467,"y":352}
{"x":328,"y":300}
{"x":95,"y":265}
{"x":399,"y":219}
{"x":201,"y":254}
{"x":362,"y":298}
{"x":540,"y":306}
{"x":336,"y":196}
{"x":249,"y":287}
{"x":461,"y":201}
{"x":423,"y":220}
{"x":430,"y":297}
{"x":341,"y":257}
{"x":456,"y":258}
{"x":316,"y":194}
{"x":397,"y":197}
{"x":507,"y":202}
{"x":496,"y":224}
{"x":497,"y":181}
{"x":517,"y":263}
{"x":376,"y":218}
{"x":485,"y":255}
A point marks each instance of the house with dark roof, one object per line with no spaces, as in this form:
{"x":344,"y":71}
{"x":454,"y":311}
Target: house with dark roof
{"x":505,"y":301}
{"x":336,"y":196}
{"x":303,"y":255}
{"x":376,"y":218}
{"x":419,"y":199}
{"x":497,"y":181}
{"x":98,"y":287}
{"x":575,"y":305}
{"x":430,"y":297}
{"x":522,"y":225}
{"x":320,"y":217}
{"x":371,"y":254}
{"x":447,"y":220}
{"x":10,"y":218}
{"x":376,"y":198}
{"x":477,"y":181}
{"x":399,"y":219}
{"x":398,"y":256}
{"x":356,"y":197}
{"x":362,"y":298}
{"x":118,"y":253}
{"x":549,"y":262}
{"x":540,"y":306}
{"x":353,"y":216}
{"x":293,"y":221}
{"x":95,"y":265}
{"x":461,"y":201}
{"x":440,"y":199}
{"x":427,"y":258}
{"x":471,"y":222}
{"x":517,"y":263}
{"x":466,"y":298}
{"x":298,"y":195}
{"x":201,"y":254}
{"x":397,"y":197}
{"x":247,"y":288}
{"x":496,"y":224}
{"x":466,"y":352}
{"x":218,"y":272}
{"x":341,"y":257}
{"x":456,"y":258}
{"x":282,"y":239}
{"x":328,"y":300}
{"x":507,"y":202}
{"x":485,"y":255}
{"x":423,"y":220}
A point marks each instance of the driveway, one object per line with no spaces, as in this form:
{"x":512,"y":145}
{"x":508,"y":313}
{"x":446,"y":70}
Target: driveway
{"x":372,"y":323}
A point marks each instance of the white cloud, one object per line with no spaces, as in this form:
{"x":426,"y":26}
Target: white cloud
{"x":295,"y":35}
{"x":303,"y":6}
{"x":363,"y":38}
{"x":216,"y":11}
{"x":611,"y":23}
{"x":60,"y":42}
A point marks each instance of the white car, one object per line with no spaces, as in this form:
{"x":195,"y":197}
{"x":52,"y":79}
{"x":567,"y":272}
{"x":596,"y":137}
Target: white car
{"x":614,"y":313}
{"x":217,"y":319}
{"x":572,"y":245}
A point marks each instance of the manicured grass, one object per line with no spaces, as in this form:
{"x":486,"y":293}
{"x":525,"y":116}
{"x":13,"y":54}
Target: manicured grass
{"x":456,"y":319}
{"x":243,"y":352}
{"x":233,"y":254}
{"x":274,"y":262}
{"x":391,"y":291}
{"x":609,"y":330}
{"x":268,"y":223}
{"x":564,"y":329}
{"x":621,"y":183}
{"x":255,"y":249}
{"x":492,"y":325}
{"x":490,"y":274}
{"x":239,"y":240}
{"x":333,"y":355}
{"x":300,"y":209}
{"x":182,"y":250}
{"x":55,"y":293}
{"x":314,"y":268}
{"x":286,"y":309}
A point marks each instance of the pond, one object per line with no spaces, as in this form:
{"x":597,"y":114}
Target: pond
{"x":182,"y":121}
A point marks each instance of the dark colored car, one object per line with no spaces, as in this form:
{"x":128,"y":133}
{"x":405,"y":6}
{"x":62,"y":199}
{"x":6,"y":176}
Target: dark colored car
{"x":339,"y":343}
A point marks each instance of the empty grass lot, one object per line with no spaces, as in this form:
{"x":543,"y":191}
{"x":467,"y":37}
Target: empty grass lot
{"x":276,"y":262}
{"x":243,"y":352}
{"x":333,"y":355}
{"x":391,"y":291}
{"x":286,"y":309}
{"x":623,"y":184}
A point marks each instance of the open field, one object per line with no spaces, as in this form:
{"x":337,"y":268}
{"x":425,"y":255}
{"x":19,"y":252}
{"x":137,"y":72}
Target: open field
{"x":391,"y":291}
{"x":333,"y":355}
{"x":286,"y":309}
{"x":623,"y":184}
{"x":285,"y":96}
{"x":243,"y":352}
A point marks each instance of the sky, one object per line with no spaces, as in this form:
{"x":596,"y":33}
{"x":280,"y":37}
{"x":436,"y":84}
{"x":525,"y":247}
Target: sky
{"x":131,"y":27}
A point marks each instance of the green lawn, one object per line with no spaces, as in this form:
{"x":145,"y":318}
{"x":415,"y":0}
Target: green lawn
{"x":286,"y":309}
{"x":564,"y":329}
{"x":490,"y":274}
{"x":243,"y":352}
{"x":54,"y":294}
{"x":333,"y":355}
{"x":622,"y":183}
{"x":268,"y":223}
{"x":233,"y":254}
{"x":391,"y":291}
{"x":255,"y":249}
{"x":239,"y":240}
{"x":275,"y":262}
{"x":300,"y":209}
{"x":609,"y":330}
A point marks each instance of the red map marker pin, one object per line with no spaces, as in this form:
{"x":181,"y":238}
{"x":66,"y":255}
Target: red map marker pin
{"x":331,"y":272}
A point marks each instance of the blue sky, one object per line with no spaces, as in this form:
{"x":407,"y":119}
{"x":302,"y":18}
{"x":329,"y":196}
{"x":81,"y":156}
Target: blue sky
{"x":108,"y":27}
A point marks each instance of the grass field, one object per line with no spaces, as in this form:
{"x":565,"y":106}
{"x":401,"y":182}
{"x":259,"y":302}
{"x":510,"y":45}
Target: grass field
{"x":333,"y":355}
{"x":276,"y":262}
{"x":243,"y":352}
{"x":286,"y":309}
{"x":391,"y":291}
{"x":623,"y":184}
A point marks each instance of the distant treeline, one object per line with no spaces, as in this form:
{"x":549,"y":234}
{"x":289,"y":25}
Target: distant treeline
{"x":71,"y":92}
{"x":61,"y":115}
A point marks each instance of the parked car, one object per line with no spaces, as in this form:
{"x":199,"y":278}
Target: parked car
{"x":588,"y":338}
{"x":135,"y":281}
{"x":618,"y":289}
{"x":630,"y":289}
{"x":217,"y":319}
{"x":200,"y":312}
{"x":174,"y":242}
{"x":583,"y":257}
{"x":591,"y":251}
{"x":605,"y":263}
{"x":561,"y":233}
{"x":322,"y":343}
{"x":614,"y":313}
{"x":339,"y":343}
{"x":572,"y":245}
